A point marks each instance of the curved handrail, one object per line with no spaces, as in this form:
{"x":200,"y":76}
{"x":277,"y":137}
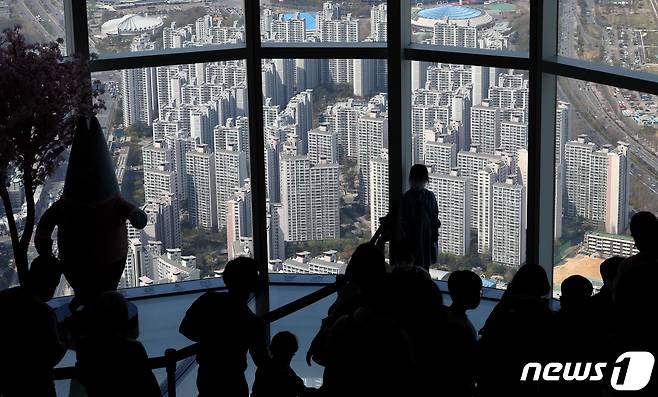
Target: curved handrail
{"x":173,"y":355}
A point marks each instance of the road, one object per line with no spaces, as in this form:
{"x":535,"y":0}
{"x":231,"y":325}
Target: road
{"x":52,"y":14}
{"x":597,"y":106}
{"x":29,"y":16}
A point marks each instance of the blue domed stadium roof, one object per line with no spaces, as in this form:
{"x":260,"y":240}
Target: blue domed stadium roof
{"x":450,"y":12}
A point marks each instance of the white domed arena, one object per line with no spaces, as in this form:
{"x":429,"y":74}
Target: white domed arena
{"x":459,"y":15}
{"x":130,"y":25}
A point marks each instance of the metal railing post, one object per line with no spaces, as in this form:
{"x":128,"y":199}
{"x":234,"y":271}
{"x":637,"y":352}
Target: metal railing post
{"x":170,"y":359}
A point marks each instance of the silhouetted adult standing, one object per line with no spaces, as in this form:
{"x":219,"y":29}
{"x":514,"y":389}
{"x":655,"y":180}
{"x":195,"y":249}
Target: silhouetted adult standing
{"x":369,"y":355}
{"x":644,"y":229}
{"x":109,"y":363}
{"x":226,"y":330}
{"x":30,"y":342}
{"x":419,"y":218}
{"x":514,"y":334}
{"x":420,"y":314}
{"x":278,"y":379}
{"x":635,"y":298}
{"x":460,"y":348}
{"x":367,"y":265}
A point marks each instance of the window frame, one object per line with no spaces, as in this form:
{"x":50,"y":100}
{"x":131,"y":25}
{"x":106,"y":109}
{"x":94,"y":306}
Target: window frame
{"x":542,"y":61}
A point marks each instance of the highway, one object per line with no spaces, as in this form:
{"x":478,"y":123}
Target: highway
{"x":30,"y":16}
{"x":597,"y":107}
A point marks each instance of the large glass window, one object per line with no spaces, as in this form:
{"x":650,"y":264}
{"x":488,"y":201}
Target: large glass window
{"x":471,"y":24}
{"x":323,"y":21}
{"x":164,"y":25}
{"x":615,"y":33}
{"x":180,"y":139}
{"x":607,"y":168}
{"x":326,"y":156}
{"x":469,"y":126}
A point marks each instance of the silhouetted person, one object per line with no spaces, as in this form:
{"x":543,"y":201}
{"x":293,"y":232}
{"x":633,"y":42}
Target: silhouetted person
{"x":465,"y":289}
{"x":576,"y":339}
{"x":369,"y":354}
{"x":635,"y":298}
{"x":30,"y":342}
{"x":367,"y":265}
{"x":226,"y":330}
{"x":108,"y":362}
{"x":576,"y":292}
{"x":644,"y":229}
{"x":277,"y":379}
{"x":514,"y":334}
{"x":419,"y":218}
{"x":419,"y":312}
{"x":601,"y":302}
{"x":460,"y":348}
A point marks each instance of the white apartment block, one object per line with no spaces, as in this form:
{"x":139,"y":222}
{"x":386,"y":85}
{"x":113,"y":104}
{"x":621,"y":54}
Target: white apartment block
{"x":371,"y":141}
{"x":606,"y":245}
{"x":513,"y":136}
{"x":230,"y":173}
{"x":378,"y":22}
{"x":470,"y":164}
{"x":453,"y":196}
{"x":322,"y":145}
{"x":343,"y":117}
{"x":448,"y":34}
{"x":238,"y":219}
{"x":202,"y":191}
{"x":164,"y":221}
{"x":296,"y":197}
{"x":325,"y":201}
{"x":508,"y":225}
{"x":596,"y":184}
{"x":379,"y":178}
{"x":159,"y":181}
{"x":440,"y":152}
{"x":288,"y":31}
{"x":302,"y":263}
{"x":485,"y":127}
{"x":276,"y":249}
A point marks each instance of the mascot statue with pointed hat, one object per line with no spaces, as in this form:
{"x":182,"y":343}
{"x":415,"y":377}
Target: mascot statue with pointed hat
{"x":90,"y":218}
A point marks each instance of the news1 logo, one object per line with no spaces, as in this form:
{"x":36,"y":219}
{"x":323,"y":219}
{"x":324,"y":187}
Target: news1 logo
{"x":630,"y":372}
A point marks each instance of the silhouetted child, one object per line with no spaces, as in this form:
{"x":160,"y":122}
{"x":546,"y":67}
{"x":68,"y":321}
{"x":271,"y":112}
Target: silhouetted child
{"x":460,"y":356}
{"x":226,"y":330}
{"x":465,"y":289}
{"x":30,"y":342}
{"x":108,"y":362}
{"x":277,"y":379}
{"x":419,"y":218}
{"x":574,"y":314}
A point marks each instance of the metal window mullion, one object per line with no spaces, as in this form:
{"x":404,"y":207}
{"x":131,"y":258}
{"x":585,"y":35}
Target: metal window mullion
{"x":541,"y":140}
{"x":256,"y":150}
{"x":327,"y":51}
{"x":602,"y":74}
{"x":75,"y":27}
{"x":395,"y":25}
{"x":468,"y":56}
{"x":166,"y":58}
